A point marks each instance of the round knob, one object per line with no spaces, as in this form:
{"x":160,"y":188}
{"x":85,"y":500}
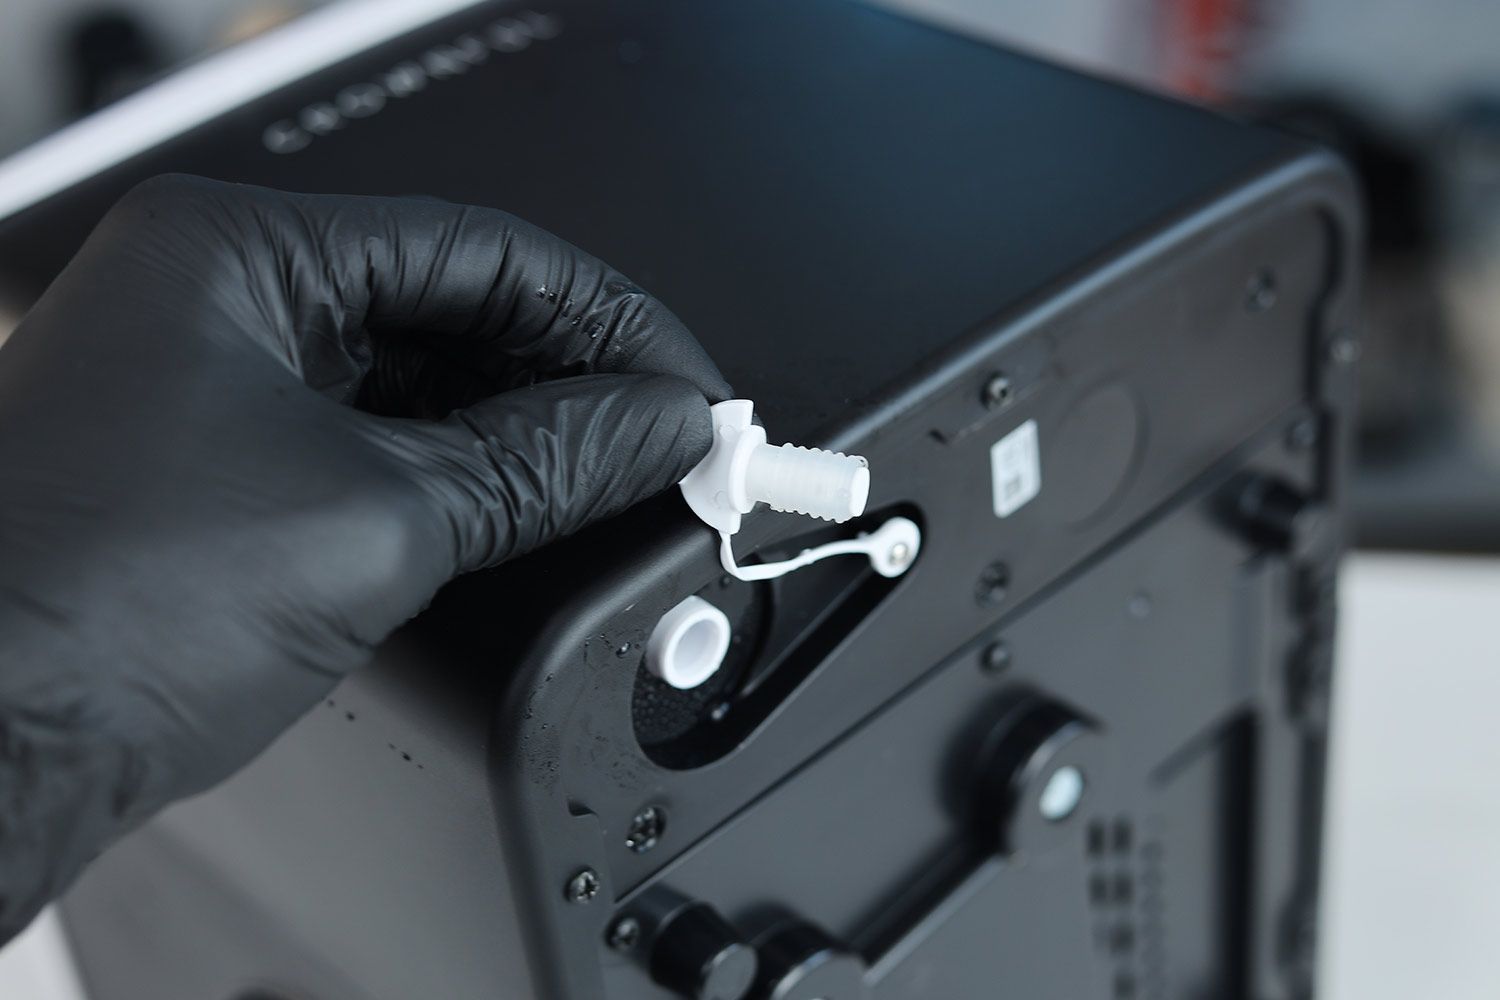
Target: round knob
{"x":1039,"y":764}
{"x":801,"y":962}
{"x":699,"y":956}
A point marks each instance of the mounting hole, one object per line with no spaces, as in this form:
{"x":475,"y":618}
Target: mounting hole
{"x":688,"y":645}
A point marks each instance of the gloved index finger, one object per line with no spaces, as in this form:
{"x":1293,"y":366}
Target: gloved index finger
{"x":516,"y":292}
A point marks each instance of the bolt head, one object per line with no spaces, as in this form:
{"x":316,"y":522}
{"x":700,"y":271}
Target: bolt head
{"x":998,"y":391}
{"x":583,"y":886}
{"x":900,"y":554}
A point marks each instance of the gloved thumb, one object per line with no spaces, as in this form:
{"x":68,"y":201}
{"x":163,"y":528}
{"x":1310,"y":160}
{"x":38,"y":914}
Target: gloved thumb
{"x":531,"y":465}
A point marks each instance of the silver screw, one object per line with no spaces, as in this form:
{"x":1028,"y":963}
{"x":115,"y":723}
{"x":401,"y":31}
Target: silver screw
{"x":646,"y":829}
{"x":1061,"y":794}
{"x":899,"y":554}
{"x":997,"y":391}
{"x":625,"y":934}
{"x":582,"y":887}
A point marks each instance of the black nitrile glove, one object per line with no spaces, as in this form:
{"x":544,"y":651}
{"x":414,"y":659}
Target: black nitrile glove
{"x":228,"y":470}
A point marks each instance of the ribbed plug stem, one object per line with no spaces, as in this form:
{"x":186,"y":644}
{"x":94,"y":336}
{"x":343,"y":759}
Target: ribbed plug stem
{"x":825,"y":484}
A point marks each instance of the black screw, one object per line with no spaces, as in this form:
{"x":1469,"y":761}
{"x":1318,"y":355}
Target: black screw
{"x":997,"y":391}
{"x":1260,"y":290}
{"x":1302,"y":435}
{"x":996,"y":658}
{"x":625,"y":934}
{"x":992,"y":585}
{"x":582,"y":887}
{"x":646,"y":828}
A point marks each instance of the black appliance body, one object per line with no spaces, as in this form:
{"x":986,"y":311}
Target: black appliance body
{"x":900,"y":243}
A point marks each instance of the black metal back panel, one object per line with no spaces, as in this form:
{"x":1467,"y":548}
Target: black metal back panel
{"x":865,"y":220}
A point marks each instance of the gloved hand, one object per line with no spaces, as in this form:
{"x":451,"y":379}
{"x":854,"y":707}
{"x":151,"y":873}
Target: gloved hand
{"x":228,"y":469}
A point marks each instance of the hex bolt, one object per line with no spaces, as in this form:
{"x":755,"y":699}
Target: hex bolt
{"x":625,"y":934}
{"x":997,"y":391}
{"x":996,"y":658}
{"x":582,"y":887}
{"x":646,"y":828}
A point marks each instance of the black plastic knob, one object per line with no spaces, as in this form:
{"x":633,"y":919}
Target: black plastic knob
{"x":697,"y":955}
{"x":1038,"y":764}
{"x":802,"y":962}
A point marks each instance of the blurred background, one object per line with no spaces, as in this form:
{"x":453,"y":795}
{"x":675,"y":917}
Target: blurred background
{"x":1410,"y":93}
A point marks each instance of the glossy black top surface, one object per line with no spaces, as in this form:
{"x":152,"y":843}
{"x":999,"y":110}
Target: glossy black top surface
{"x":829,"y":195}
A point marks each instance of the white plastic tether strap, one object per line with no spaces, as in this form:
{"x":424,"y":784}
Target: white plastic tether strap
{"x":891,"y":548}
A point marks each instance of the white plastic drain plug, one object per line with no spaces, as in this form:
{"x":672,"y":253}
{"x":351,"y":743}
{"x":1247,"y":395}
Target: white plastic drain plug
{"x":741,"y":470}
{"x":688,"y":644}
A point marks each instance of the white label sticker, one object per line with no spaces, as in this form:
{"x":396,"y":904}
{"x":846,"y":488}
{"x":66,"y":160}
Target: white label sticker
{"x":1016,"y":468}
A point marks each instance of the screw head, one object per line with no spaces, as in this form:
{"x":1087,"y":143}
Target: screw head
{"x":625,"y":934}
{"x":582,"y":887}
{"x":993,"y":582}
{"x":997,"y":391}
{"x":1061,"y":794}
{"x":646,"y":828}
{"x":899,"y":555}
{"x":1260,"y":290}
{"x":996,"y":658}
